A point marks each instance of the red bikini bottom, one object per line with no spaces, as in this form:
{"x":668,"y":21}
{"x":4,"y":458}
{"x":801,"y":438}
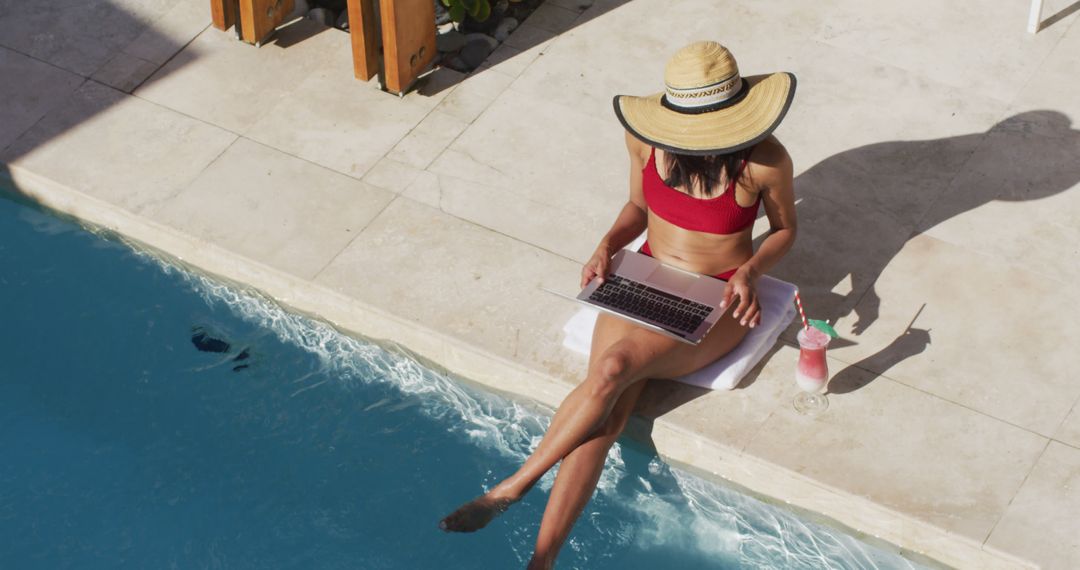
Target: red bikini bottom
{"x":724,"y":276}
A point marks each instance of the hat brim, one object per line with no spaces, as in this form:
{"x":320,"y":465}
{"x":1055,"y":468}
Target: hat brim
{"x":725,"y":130}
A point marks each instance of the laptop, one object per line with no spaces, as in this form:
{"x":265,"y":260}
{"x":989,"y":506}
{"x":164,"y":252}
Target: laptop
{"x":671,"y":301}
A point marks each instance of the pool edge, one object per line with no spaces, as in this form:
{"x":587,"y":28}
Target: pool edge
{"x":672,"y":441}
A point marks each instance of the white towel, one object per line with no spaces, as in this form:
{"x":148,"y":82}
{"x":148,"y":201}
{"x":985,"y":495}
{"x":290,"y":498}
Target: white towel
{"x":776,"y":298}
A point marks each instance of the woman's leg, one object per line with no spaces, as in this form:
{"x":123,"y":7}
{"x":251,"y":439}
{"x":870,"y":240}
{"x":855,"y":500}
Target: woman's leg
{"x":577,"y":478}
{"x":638,"y":353}
{"x":581,"y":412}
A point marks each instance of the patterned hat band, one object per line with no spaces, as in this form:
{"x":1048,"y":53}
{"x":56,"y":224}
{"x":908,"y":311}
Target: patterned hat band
{"x":696,"y":100}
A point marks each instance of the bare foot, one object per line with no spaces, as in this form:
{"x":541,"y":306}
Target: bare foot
{"x":475,"y":514}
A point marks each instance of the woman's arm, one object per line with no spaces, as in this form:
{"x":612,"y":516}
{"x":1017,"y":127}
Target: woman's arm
{"x":778,"y":195}
{"x":773,"y":173}
{"x":632,"y":219}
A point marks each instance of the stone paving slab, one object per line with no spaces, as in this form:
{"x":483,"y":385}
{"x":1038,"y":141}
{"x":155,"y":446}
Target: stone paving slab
{"x":266,"y":205}
{"x":574,"y":5}
{"x":553,"y":17}
{"x":510,"y":60}
{"x":427,"y":139}
{"x":476,"y":284}
{"x":576,"y":177}
{"x":168,"y":34}
{"x":898,"y":153}
{"x":527,"y":36}
{"x":1047,"y":87}
{"x":1069,"y":431}
{"x":585,"y":67}
{"x":1029,"y":208}
{"x":1040,"y":524}
{"x":1025,"y":212}
{"x":228,"y":83}
{"x":477,"y":193}
{"x":978,"y":342}
{"x":939,"y":41}
{"x":125,"y":72}
{"x":549,"y":227}
{"x":173,"y":30}
{"x":470,"y":99}
{"x":121,"y":149}
{"x":40,"y":89}
{"x":334,"y":120}
{"x":78,"y":35}
{"x":841,"y":249}
{"x":117,"y":42}
{"x":906,"y":449}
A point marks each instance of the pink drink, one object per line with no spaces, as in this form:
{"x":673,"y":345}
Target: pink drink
{"x":812,"y":371}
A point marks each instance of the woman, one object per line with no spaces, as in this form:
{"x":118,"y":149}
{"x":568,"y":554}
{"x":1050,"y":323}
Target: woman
{"x":702,"y":160}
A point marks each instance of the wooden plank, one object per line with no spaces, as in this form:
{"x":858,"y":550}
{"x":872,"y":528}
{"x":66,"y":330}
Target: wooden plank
{"x":259,"y":17}
{"x":408,"y":36}
{"x":223,"y":13}
{"x":364,"y":34}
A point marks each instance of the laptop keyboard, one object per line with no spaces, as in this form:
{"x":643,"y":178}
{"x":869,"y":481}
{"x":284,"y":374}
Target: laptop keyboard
{"x":680,"y":315}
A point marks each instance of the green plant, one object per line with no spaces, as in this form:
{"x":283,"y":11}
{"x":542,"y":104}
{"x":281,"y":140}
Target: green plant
{"x":478,"y":10}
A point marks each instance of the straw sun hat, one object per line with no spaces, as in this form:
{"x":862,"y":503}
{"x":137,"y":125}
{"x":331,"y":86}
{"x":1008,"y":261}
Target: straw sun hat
{"x":707,"y":107}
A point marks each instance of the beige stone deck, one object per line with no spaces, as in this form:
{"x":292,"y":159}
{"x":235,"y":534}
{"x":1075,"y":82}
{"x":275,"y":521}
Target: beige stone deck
{"x":937,"y":152}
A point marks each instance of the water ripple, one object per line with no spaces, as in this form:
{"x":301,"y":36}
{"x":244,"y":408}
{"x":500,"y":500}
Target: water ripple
{"x":669,"y":508}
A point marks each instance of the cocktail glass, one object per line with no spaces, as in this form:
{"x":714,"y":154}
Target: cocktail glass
{"x":812,"y":372}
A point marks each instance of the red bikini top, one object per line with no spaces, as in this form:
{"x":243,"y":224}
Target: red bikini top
{"x":718,"y":215}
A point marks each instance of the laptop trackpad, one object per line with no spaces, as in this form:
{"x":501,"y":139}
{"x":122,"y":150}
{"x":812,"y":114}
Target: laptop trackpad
{"x":672,"y":279}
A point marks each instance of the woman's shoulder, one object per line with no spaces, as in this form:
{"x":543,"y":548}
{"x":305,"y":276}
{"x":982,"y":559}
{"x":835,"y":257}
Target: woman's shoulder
{"x":770,"y":152}
{"x":770,"y":163}
{"x":637,"y":148}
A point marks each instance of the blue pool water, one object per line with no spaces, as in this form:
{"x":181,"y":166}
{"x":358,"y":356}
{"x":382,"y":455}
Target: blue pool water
{"x":122,"y":445}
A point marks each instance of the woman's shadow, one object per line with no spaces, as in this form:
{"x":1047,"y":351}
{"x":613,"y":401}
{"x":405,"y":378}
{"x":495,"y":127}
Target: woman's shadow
{"x":857,"y":209}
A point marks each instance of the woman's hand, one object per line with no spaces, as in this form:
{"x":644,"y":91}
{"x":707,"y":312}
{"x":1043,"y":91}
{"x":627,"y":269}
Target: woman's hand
{"x":597,"y":266}
{"x":743,"y":284}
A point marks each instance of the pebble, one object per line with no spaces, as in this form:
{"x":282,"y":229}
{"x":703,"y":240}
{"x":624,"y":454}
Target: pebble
{"x":457,"y":64}
{"x":450,"y":41}
{"x":300,"y":9}
{"x":343,"y":21}
{"x":502,"y":31}
{"x":322,"y":16}
{"x":491,"y":42}
{"x":475,"y":52}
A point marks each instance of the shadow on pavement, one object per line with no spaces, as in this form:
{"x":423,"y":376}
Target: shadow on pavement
{"x":435,"y":81}
{"x":857,"y":209}
{"x":1060,"y":15}
{"x":55,"y":48}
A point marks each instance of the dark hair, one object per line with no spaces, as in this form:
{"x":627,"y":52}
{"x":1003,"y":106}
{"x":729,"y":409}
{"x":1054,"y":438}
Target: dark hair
{"x":704,"y":172}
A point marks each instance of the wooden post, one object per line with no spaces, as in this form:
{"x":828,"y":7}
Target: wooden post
{"x":223,"y":13}
{"x":405,"y":27}
{"x":259,"y":17}
{"x":364,"y":34}
{"x":408,"y":37}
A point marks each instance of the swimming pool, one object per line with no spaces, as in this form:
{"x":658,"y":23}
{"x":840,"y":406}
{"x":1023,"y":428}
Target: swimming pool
{"x":153,"y":418}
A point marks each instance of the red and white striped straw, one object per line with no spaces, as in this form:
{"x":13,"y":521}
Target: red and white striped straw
{"x":798,"y":303}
